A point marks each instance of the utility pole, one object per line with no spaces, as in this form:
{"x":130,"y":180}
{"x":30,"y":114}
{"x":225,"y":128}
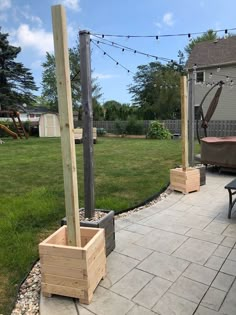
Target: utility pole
{"x":86,"y":89}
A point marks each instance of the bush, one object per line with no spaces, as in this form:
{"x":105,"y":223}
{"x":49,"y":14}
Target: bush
{"x":158,"y":131}
{"x":120,"y":127}
{"x":101,"y":132}
{"x":134,"y":127}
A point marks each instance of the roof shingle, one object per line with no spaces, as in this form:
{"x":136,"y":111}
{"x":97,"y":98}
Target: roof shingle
{"x":213,"y":53}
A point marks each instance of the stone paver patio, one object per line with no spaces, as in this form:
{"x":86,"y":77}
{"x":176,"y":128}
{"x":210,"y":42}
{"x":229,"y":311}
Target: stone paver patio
{"x":177,"y":257}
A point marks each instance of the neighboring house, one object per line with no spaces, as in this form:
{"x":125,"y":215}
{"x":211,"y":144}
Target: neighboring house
{"x":210,"y":62}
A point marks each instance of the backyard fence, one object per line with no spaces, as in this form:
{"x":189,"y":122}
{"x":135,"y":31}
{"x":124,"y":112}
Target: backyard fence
{"x":216,"y":128}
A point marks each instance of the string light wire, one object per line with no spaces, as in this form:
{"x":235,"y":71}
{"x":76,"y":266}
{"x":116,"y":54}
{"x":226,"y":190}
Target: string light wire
{"x":189,"y":34}
{"x":105,"y":53}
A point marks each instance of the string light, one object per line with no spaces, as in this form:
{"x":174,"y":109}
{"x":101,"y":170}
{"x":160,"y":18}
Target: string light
{"x":116,"y":62}
{"x":126,"y":48}
{"x":226,"y":34}
{"x":166,"y":35}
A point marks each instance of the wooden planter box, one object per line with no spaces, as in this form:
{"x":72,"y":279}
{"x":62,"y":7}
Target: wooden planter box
{"x":69,"y":270}
{"x":185,"y":181}
{"x":107,"y":223}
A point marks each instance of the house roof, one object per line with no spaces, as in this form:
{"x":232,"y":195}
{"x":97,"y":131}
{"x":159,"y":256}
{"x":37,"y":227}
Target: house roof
{"x":213,"y":53}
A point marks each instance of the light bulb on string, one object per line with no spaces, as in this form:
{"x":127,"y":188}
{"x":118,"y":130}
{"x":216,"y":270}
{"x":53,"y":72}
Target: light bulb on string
{"x":226,"y":34}
{"x":227,"y":78}
{"x":210,"y":75}
{"x":194,"y":68}
{"x":218,"y":69}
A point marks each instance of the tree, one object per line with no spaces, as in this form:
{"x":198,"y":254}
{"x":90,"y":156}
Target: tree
{"x":156,"y":91}
{"x":209,"y":35}
{"x":16,"y":81}
{"x":49,"y":87}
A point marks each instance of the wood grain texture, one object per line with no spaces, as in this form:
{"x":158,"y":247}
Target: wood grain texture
{"x":70,"y":270}
{"x":66,"y":124}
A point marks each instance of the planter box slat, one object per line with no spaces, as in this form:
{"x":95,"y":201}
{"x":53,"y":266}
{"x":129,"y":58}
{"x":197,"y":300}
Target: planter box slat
{"x":73,"y":271}
{"x":107,"y":223}
{"x":185,"y":181}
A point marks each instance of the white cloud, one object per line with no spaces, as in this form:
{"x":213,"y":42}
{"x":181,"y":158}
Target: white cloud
{"x":104,"y":76}
{"x":168,"y":19}
{"x":5,"y":4}
{"x":71,"y":4}
{"x":37,"y":39}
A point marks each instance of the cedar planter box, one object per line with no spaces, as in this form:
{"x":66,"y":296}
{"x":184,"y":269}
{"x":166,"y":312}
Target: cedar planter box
{"x":69,"y":270}
{"x":185,"y":181}
{"x":107,"y":223}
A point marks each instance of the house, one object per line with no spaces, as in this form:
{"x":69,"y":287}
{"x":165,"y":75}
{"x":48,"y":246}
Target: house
{"x":209,"y":63}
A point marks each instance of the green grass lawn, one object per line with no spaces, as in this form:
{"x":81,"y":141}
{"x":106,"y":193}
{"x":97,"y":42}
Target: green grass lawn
{"x":127,"y":171}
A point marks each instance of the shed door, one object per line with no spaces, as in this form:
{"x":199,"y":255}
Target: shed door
{"x":50,"y":125}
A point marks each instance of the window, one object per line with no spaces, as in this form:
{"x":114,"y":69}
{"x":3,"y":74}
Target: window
{"x":200,"y":77}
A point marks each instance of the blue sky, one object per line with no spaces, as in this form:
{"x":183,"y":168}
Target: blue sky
{"x":29,"y":25}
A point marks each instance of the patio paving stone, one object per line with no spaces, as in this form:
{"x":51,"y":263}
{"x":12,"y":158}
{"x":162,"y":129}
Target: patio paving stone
{"x":139,"y":228}
{"x":117,"y":266}
{"x":152,"y":292}
{"x":136,"y":252}
{"x":232,"y":255}
{"x":195,"y":251}
{"x":164,"y":266}
{"x":222,"y":251}
{"x":213,"y":298}
{"x":205,"y":236}
{"x":216,"y":227}
{"x":171,"y":304}
{"x":131,"y":283}
{"x":200,"y":273}
{"x":230,"y":230}
{"x":215,"y":262}
{"x":206,"y":311}
{"x":139,"y":310}
{"x":223,"y":281}
{"x":229,"y":242}
{"x":194,"y":221}
{"x":162,"y":241}
{"x":229,"y":305}
{"x":106,"y":302}
{"x":229,"y":267}
{"x":189,"y":289}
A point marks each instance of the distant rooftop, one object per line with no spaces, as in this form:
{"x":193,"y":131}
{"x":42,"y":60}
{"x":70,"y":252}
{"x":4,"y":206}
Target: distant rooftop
{"x":213,"y":53}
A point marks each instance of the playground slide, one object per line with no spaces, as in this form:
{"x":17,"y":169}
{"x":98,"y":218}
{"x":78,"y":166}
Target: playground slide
{"x":11,"y":133}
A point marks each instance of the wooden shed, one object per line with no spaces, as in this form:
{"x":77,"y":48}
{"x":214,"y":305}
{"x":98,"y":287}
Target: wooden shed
{"x":49,"y":125}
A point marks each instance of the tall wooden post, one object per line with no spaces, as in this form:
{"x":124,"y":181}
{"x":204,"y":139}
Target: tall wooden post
{"x":86,"y":89}
{"x":191,"y":119}
{"x":184,"y":122}
{"x":66,"y":125}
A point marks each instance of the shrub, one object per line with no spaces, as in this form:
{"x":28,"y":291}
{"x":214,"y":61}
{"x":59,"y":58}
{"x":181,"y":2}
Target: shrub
{"x":134,"y":127}
{"x":158,"y":131}
{"x":120,"y":127}
{"x":101,"y":132}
